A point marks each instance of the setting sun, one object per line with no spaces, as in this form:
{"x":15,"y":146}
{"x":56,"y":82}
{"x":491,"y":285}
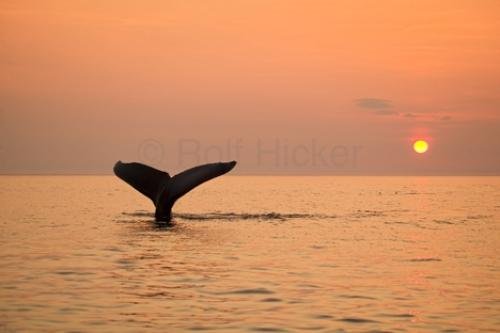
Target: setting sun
{"x":420,"y":146}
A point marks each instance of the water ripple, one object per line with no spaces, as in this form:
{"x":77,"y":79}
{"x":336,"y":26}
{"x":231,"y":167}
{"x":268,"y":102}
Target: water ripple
{"x":256,"y":291}
{"x":232,"y":216}
{"x":355,"y":320}
{"x":423,"y":259}
{"x":268,"y":329}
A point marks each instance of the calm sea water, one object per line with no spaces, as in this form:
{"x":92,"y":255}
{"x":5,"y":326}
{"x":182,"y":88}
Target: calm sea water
{"x":252,"y":254}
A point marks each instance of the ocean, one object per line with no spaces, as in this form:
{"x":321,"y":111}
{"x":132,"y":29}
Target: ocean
{"x":252,"y":254}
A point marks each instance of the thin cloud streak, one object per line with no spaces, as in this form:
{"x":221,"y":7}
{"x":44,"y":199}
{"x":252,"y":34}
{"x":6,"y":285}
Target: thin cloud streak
{"x":373,"y":103}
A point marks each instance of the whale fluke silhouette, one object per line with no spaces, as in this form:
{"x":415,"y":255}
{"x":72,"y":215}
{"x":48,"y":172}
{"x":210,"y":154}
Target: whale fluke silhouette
{"x":164,"y":190}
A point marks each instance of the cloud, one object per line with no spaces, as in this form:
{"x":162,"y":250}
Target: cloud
{"x":445,"y":118}
{"x":373,"y":103}
{"x":379,"y":106}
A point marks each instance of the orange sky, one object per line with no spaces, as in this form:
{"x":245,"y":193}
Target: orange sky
{"x":85,"y":83}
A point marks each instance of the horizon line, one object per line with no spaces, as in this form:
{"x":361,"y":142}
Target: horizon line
{"x":484,"y":174}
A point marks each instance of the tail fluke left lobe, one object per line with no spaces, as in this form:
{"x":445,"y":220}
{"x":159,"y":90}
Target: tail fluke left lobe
{"x":145,"y":179}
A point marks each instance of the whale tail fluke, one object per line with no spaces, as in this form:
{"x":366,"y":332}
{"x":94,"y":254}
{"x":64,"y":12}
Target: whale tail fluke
{"x":164,"y":190}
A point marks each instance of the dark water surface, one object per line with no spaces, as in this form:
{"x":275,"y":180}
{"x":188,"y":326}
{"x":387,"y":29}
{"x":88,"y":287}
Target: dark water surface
{"x":252,"y":254}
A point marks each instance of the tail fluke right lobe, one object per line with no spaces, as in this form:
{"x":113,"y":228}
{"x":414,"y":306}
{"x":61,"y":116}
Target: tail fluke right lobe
{"x":187,"y":180}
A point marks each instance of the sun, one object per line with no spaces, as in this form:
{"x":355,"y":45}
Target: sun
{"x":420,"y":146}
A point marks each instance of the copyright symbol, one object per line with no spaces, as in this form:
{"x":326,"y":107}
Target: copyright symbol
{"x":151,"y":152}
